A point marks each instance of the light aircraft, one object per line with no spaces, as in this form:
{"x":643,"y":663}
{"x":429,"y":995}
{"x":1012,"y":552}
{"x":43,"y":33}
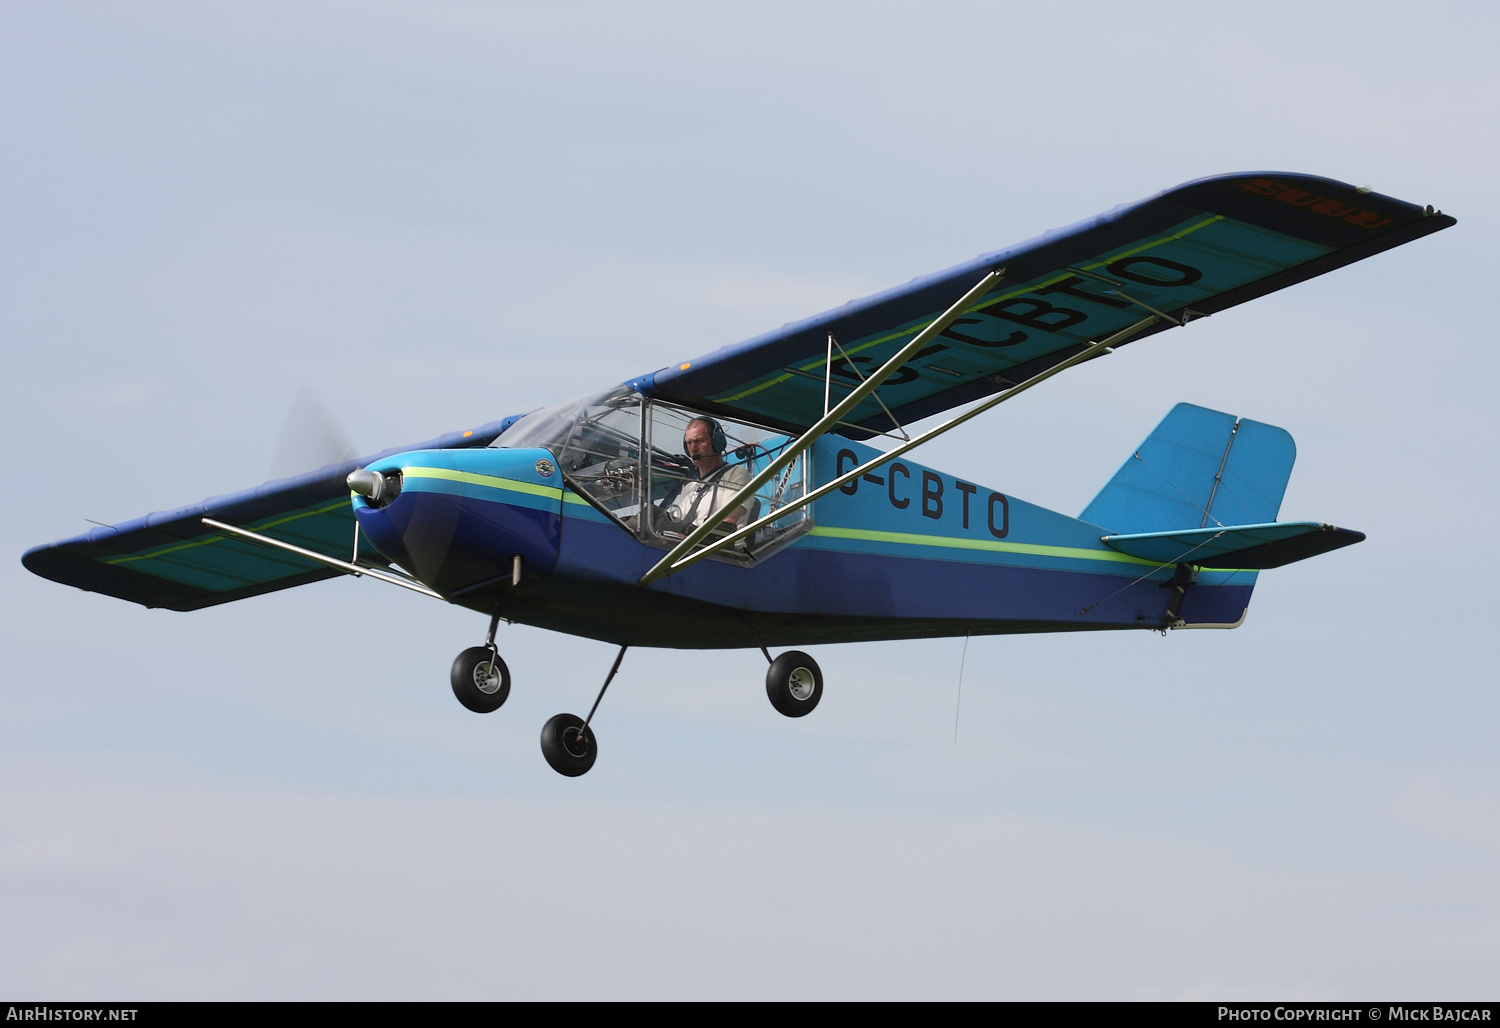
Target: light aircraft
{"x":733,"y":499}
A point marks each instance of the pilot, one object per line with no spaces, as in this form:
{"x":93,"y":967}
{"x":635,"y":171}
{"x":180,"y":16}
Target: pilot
{"x":717,"y":480}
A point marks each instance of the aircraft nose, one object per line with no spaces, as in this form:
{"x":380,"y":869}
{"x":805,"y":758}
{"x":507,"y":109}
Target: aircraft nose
{"x":458,"y":519}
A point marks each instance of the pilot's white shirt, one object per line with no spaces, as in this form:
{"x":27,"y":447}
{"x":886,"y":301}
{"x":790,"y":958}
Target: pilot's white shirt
{"x":716,"y":492}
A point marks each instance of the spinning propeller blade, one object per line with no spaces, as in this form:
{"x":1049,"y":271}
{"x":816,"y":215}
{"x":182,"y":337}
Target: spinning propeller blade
{"x":310,"y":438}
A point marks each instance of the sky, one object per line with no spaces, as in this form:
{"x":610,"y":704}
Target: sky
{"x":433,"y":215}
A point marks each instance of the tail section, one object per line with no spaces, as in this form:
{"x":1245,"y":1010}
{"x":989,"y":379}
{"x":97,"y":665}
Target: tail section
{"x":1202,"y":493}
{"x":1198,"y":468}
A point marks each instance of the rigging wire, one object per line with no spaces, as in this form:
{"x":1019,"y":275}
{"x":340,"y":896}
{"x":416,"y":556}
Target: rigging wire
{"x":1174,"y":485}
{"x":959,"y":701}
{"x":1170,"y":563}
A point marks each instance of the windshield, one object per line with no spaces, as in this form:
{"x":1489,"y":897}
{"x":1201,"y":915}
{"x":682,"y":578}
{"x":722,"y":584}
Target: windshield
{"x":599,"y":440}
{"x":551,"y":427}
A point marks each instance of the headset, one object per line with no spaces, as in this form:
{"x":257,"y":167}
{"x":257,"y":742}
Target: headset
{"x":717,"y":440}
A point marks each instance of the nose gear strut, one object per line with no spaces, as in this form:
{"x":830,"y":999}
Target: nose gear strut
{"x":567,"y":741}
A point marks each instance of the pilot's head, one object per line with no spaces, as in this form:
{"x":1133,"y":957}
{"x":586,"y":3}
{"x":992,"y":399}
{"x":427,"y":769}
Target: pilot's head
{"x":705,"y":444}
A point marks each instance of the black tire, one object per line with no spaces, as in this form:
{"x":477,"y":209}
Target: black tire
{"x":569,"y":745}
{"x":787,"y":683}
{"x":475,"y":684}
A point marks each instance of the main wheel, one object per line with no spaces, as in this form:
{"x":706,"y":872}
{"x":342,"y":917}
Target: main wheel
{"x":569,"y":745}
{"x":794,"y":683}
{"x":481,"y":681}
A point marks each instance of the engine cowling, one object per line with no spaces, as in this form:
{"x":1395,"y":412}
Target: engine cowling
{"x":457,"y":519}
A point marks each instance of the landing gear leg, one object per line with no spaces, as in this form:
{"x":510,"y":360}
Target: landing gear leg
{"x":480,"y":679}
{"x":1183,"y":577}
{"x":567,"y":741}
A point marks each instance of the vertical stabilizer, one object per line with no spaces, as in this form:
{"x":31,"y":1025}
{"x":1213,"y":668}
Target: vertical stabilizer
{"x":1197,"y":469}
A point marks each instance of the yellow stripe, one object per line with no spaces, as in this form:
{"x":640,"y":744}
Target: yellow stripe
{"x":492,"y":482}
{"x":740,"y":396}
{"x":1104,"y":262}
{"x":913,"y":330}
{"x":489,"y":481}
{"x":219,"y":538}
{"x":992,"y":545}
{"x":1147,"y":246}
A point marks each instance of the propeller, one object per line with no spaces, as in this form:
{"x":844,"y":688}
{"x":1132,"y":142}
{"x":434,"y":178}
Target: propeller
{"x":310,"y":438}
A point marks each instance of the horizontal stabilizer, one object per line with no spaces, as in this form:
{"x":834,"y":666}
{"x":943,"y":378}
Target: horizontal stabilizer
{"x":1249,"y":547}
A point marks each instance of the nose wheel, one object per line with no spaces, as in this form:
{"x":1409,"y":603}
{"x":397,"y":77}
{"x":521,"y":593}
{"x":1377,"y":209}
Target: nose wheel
{"x":567,"y":741}
{"x":569,"y":744}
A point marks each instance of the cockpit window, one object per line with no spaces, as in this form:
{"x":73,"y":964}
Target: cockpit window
{"x":599,"y":441}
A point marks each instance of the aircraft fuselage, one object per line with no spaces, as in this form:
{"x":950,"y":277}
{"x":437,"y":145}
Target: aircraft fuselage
{"x":904,"y":552}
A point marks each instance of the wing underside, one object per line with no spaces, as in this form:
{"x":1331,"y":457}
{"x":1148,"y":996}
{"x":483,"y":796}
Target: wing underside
{"x":171,"y":560}
{"x":1189,"y":252}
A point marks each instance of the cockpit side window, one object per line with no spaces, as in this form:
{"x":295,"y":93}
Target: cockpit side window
{"x":635,"y":460}
{"x":688,"y":487}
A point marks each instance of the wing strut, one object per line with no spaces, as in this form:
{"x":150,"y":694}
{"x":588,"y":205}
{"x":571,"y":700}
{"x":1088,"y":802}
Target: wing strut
{"x":357,"y":570}
{"x":671,"y":561}
{"x":675,"y":563}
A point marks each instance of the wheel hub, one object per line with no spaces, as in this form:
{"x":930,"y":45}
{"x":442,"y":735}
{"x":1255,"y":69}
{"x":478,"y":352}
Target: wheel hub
{"x":801,"y":684}
{"x":574,"y":742}
{"x":487,"y":678}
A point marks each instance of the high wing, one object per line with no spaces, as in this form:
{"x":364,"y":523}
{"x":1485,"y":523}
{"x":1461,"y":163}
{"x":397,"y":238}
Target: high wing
{"x":169,"y":560}
{"x":1185,"y":253}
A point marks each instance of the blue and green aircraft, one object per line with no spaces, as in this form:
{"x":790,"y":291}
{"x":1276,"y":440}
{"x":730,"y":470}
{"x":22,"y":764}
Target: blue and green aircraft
{"x":762,"y":496}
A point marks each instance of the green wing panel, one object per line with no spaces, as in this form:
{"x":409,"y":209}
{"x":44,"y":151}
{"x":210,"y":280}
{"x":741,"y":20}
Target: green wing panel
{"x":216,"y":563}
{"x":1191,"y":251}
{"x":170,"y":560}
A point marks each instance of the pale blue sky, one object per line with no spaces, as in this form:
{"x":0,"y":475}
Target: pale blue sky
{"x":436,"y":214}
